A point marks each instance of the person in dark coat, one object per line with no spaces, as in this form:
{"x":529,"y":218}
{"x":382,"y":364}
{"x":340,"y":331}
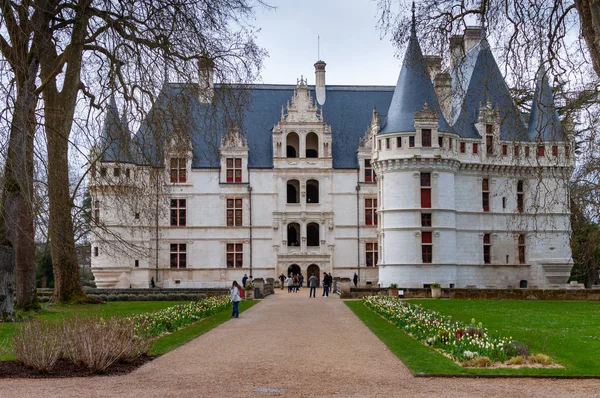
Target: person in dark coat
{"x":355,"y":279}
{"x":244,"y":279}
{"x":281,"y":280}
{"x":325,"y":285}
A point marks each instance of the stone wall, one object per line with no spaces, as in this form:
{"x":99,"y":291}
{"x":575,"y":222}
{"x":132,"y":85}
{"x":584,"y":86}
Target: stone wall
{"x":485,"y":294}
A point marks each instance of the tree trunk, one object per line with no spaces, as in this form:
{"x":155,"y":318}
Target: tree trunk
{"x":589,"y":17}
{"x":17,"y":237}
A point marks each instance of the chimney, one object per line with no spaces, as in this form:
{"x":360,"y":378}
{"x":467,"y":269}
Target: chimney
{"x":457,"y":50}
{"x":472,"y":36}
{"x":206,"y":76}
{"x":443,"y":90}
{"x":433,"y":64}
{"x":320,"y":82}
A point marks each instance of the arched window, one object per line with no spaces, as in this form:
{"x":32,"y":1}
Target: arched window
{"x":293,"y":234}
{"x":312,"y":145}
{"x":312,"y":234}
{"x":293,"y":145}
{"x":312,"y":191}
{"x":293,"y":191}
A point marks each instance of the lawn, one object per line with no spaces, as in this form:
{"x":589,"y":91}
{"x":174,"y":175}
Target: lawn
{"x":569,"y":331}
{"x":159,"y":346}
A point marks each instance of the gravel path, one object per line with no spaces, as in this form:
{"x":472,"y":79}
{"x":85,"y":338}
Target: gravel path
{"x":289,"y":345}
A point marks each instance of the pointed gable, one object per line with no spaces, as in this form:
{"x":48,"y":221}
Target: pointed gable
{"x":413,"y":90}
{"x":544,"y":123}
{"x":476,"y":81}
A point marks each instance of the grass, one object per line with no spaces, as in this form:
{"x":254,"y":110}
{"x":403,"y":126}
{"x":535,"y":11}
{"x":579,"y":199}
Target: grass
{"x":160,"y":346}
{"x":565,"y":330}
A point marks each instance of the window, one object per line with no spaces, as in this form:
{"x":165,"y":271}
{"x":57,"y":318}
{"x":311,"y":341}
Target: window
{"x":450,"y":143}
{"x":102,"y":171}
{"x":540,"y":150}
{"x":96,"y":211}
{"x":312,"y":145}
{"x":137,"y":216}
{"x":475,"y":148}
{"x":292,"y":145}
{"x":136,"y":263}
{"x":379,"y":145}
{"x":411,"y":141}
{"x":520,"y":196}
{"x":526,"y":151}
{"x":426,"y":219}
{"x":485,"y":194}
{"x":372,"y":255}
{"x":516,"y":151}
{"x":504,"y":150}
{"x":522,"y":249}
{"x":387,"y":143}
{"x":426,"y":138}
{"x":235,"y":255}
{"x":426,"y":247}
{"x":554,"y":150}
{"x":487,"y":249}
{"x":371,"y":211}
{"x":178,"y":212}
{"x":398,"y":142}
{"x":463,"y":147}
{"x":293,"y":234}
{"x":234,"y":169}
{"x":293,"y":191}
{"x":312,"y":191}
{"x":489,"y":139}
{"x":440,"y":141}
{"x":178,"y":170}
{"x":127,"y":173}
{"x":312,"y":234}
{"x":504,"y":202}
{"x":178,"y":255}
{"x":234,"y":212}
{"x":95,"y":251}
{"x":369,"y":173}
{"x":426,"y":190}
{"x":117,"y":172}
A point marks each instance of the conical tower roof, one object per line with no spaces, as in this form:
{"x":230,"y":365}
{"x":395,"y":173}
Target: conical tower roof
{"x":413,"y":90}
{"x":115,"y":135}
{"x":544,"y":123}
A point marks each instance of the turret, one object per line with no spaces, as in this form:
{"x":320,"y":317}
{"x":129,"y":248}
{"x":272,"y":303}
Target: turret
{"x":320,"y":82}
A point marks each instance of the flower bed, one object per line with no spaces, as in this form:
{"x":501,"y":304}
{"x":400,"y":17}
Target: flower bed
{"x":154,"y":324}
{"x":459,"y":341}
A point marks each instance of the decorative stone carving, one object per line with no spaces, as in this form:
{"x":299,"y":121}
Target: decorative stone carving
{"x":234,"y":139}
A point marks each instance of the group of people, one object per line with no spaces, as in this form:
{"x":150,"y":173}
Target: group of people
{"x":293,"y":282}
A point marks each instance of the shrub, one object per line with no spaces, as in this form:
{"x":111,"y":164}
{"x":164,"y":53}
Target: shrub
{"x":97,"y":343}
{"x":518,"y":360}
{"x":200,"y":296}
{"x":43,"y":299}
{"x":479,"y":362}
{"x":37,"y":344}
{"x":112,"y":297}
{"x":520,"y":349}
{"x":542,"y":359}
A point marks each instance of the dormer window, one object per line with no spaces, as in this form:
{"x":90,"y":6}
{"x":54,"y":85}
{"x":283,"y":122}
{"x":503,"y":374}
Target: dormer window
{"x":489,"y":139}
{"x":234,"y":169}
{"x":426,"y":138}
{"x":369,"y":173}
{"x":178,"y":170}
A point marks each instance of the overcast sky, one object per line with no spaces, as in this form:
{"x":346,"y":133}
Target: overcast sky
{"x":350,"y":42}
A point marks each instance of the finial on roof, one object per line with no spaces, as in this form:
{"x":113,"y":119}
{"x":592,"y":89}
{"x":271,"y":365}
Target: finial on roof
{"x":413,"y":27}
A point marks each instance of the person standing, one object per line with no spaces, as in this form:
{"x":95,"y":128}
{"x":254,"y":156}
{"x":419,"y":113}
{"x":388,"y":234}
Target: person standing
{"x":281,"y":281}
{"x":152,"y":284}
{"x":325,"y":285}
{"x":313,"y":281}
{"x":235,"y":299}
{"x":355,"y":279}
{"x":301,"y":279}
{"x":295,"y":284}
{"x":290,"y":283}
{"x":244,"y":279}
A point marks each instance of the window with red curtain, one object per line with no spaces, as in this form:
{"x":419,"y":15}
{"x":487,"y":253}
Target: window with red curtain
{"x":178,"y":170}
{"x":371,"y":254}
{"x":178,"y":255}
{"x":463,"y":147}
{"x":540,"y":150}
{"x":235,"y":255}
{"x":475,"y":148}
{"x":178,"y":213}
{"x":487,"y":249}
{"x":426,"y":190}
{"x":426,"y":247}
{"x":504,"y":150}
{"x":554,"y":150}
{"x":371,"y":211}
{"x":234,"y":212}
{"x":516,"y":151}
{"x":234,"y":169}
{"x":485,"y":194}
{"x":369,"y":173}
{"x":426,"y":138}
{"x":526,"y":151}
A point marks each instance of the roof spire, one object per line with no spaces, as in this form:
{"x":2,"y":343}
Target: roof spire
{"x":413,"y":27}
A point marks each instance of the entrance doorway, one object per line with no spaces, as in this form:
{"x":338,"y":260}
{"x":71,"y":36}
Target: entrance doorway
{"x":294,"y":269}
{"x":313,"y":268}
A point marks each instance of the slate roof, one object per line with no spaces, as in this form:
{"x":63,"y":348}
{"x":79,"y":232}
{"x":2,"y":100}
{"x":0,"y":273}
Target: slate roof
{"x":115,"y":136}
{"x":477,"y":80}
{"x":348,"y":111}
{"x":413,"y":89}
{"x":544,"y":123}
